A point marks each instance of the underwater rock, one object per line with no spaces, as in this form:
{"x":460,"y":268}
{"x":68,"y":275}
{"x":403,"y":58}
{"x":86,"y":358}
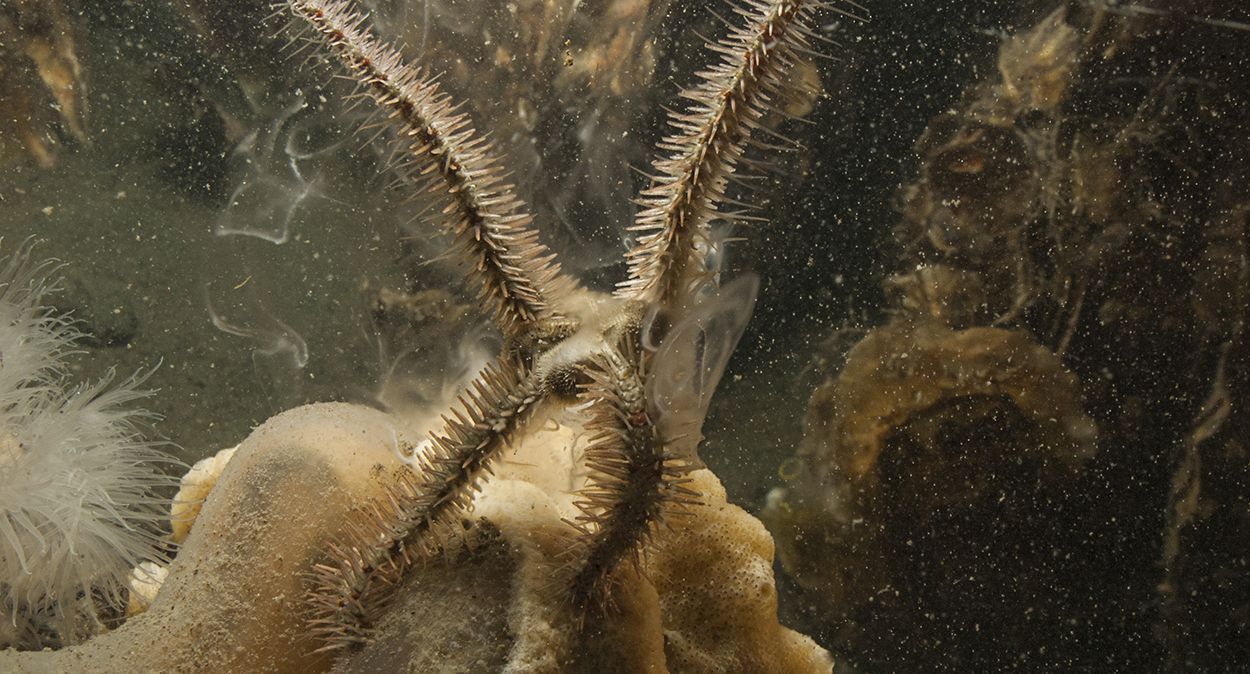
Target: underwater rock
{"x":39,"y":72}
{"x":1205,"y":590}
{"x":239,"y":582}
{"x":890,"y":515}
{"x":903,"y":371}
{"x":1071,"y":296}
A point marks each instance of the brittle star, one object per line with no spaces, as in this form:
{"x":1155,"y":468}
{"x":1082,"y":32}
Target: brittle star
{"x":564,"y":342}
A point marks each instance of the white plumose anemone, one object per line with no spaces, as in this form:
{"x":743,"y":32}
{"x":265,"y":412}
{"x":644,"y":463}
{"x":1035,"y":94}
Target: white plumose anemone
{"x":79,"y":503}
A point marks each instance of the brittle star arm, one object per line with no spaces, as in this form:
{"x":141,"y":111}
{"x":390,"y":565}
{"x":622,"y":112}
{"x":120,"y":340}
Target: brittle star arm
{"x":519,"y":278}
{"x":350,"y":589}
{"x":634,"y":482}
{"x":707,"y":143}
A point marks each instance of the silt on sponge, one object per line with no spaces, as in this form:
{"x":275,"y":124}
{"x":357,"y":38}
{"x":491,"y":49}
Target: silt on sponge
{"x":234,"y":597}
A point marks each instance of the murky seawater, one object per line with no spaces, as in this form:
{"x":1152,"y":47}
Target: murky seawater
{"x":992,"y":399}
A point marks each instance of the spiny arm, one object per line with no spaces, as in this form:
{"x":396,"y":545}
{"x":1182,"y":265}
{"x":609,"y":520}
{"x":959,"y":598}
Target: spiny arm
{"x":519,"y":278}
{"x":351,"y":588}
{"x":708,"y":143}
{"x":633,"y":483}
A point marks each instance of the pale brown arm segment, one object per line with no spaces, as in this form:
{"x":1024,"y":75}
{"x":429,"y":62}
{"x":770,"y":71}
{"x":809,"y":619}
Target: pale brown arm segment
{"x":519,"y":278}
{"x":707,"y":144}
